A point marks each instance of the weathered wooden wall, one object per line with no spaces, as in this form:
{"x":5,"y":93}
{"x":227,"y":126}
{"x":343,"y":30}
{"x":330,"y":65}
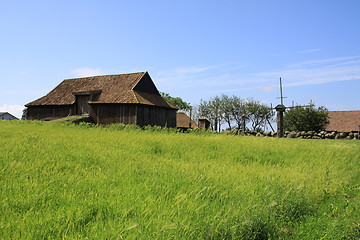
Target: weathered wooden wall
{"x":113,"y":113}
{"x":41,"y":112}
{"x":204,"y":124}
{"x":136,"y":114}
{"x":148,"y":115}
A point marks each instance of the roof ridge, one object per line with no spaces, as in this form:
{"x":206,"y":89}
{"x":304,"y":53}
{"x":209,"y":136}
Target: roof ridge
{"x":106,"y":75}
{"x":143,"y":74}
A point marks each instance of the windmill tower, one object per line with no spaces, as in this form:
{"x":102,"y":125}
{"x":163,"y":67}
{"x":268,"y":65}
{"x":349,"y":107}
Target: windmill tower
{"x":280,"y":109}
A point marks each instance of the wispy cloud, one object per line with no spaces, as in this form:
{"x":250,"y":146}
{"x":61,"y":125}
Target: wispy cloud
{"x":311,"y":50}
{"x":317,"y":62}
{"x":318,"y":71}
{"x":205,"y":81}
{"x":15,"y":110}
{"x":192,"y":70}
{"x":199,"y":77}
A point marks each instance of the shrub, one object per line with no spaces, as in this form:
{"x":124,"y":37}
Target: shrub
{"x":306,"y":118}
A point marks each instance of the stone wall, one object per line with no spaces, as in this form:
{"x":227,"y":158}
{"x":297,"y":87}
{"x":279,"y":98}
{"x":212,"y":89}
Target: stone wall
{"x":303,"y":134}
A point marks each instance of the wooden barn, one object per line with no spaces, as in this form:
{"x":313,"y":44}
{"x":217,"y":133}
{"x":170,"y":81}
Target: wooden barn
{"x":125,"y":98}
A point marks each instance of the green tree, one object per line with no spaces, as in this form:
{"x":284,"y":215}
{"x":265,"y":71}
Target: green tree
{"x":306,"y":118}
{"x":257,"y":113}
{"x":239,"y":111}
{"x":24,"y":114}
{"x":226,"y":109}
{"x":177,"y":101}
{"x":211,"y":109}
{"x":215,"y":107}
{"x":234,"y":110}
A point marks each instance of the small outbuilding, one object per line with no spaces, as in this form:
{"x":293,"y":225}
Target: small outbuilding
{"x":184,"y":122}
{"x":125,"y":98}
{"x":204,"y":123}
{"x":343,"y":121}
{"x":7,"y":116}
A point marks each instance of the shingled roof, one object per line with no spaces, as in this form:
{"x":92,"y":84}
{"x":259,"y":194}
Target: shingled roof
{"x":183,"y":121}
{"x":343,"y":121}
{"x":136,"y":88}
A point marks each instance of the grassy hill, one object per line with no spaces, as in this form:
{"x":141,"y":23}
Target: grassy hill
{"x":62,"y":181}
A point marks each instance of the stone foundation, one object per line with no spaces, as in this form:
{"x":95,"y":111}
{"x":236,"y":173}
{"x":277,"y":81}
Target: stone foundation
{"x":302,"y":134}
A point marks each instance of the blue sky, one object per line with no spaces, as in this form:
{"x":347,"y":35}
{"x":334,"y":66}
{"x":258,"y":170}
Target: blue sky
{"x":192,"y":49}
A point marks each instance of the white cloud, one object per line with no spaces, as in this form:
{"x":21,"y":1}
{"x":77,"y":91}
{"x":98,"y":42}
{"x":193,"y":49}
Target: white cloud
{"x":322,"y":61}
{"x":15,"y":110}
{"x":311,"y":50}
{"x":87,"y":72}
{"x":192,"y":70}
{"x":199,"y":77}
{"x":224,"y":80}
{"x":316,"y":72}
{"x":184,"y":70}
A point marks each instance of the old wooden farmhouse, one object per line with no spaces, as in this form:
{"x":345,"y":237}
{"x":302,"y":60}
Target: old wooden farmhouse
{"x":126,"y":98}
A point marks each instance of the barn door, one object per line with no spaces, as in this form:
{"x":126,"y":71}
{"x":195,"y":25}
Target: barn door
{"x":82,"y":105}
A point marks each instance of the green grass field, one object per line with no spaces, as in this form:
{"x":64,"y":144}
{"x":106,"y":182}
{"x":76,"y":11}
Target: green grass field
{"x":62,"y":181}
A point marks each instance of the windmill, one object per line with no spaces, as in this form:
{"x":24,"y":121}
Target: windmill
{"x":280,"y":109}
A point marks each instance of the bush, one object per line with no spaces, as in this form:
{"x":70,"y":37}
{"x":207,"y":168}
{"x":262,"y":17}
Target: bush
{"x":306,"y":118}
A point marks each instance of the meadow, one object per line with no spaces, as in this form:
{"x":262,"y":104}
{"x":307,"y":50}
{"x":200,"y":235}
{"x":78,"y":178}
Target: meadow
{"x":64,"y":181}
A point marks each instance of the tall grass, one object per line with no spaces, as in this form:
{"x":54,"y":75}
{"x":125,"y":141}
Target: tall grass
{"x":61,"y":181}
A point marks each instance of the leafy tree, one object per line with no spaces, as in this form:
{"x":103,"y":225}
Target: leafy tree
{"x":232,"y":109}
{"x":238,"y":111}
{"x":215,"y":107}
{"x":211,"y":110}
{"x":306,"y":118}
{"x":203,"y":110}
{"x":227,"y":108}
{"x":177,"y":101}
{"x":257,"y":113}
{"x":24,"y":114}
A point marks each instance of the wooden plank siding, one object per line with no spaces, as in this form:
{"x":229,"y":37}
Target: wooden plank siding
{"x":42,"y":112}
{"x":136,"y":114}
{"x":113,"y":113}
{"x":148,"y":115}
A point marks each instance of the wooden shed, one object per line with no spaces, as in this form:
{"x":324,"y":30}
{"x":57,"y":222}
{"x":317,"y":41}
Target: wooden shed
{"x":184,"y":122}
{"x":204,"y":123}
{"x":125,"y":98}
